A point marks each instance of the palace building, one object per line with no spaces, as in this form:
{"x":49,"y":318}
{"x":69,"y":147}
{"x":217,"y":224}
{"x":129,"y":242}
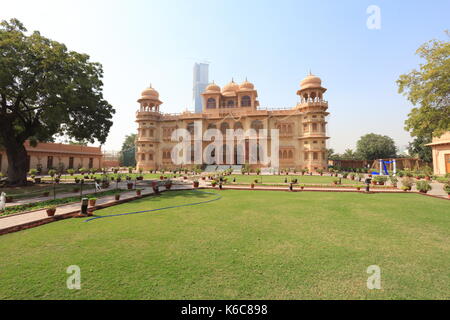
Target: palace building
{"x":302,"y":128}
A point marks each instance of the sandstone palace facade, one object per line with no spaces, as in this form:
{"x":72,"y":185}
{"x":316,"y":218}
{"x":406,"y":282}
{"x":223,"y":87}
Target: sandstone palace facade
{"x":302,"y":128}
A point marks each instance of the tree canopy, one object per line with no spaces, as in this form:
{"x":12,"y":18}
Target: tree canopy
{"x":46,"y":90}
{"x":374,"y":146}
{"x":428,"y":89}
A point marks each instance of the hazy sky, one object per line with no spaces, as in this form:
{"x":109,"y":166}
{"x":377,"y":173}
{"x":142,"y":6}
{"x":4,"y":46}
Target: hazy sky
{"x":273,"y":43}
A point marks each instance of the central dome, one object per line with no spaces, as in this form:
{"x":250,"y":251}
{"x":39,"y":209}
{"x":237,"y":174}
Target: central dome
{"x":231,"y":87}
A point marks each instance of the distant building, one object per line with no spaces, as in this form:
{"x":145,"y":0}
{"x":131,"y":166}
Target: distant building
{"x":46,"y":156}
{"x":201,"y":81}
{"x":441,"y":153}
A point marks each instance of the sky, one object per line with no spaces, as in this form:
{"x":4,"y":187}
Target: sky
{"x":272,"y":43}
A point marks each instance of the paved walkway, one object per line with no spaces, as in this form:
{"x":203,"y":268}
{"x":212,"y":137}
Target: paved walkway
{"x":19,"y":219}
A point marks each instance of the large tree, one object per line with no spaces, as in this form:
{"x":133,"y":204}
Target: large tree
{"x":46,"y":90}
{"x":374,"y":146}
{"x":128,"y":145}
{"x":418,"y":148}
{"x":428,"y":89}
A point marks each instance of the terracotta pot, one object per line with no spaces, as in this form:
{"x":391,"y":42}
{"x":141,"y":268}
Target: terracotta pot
{"x":168,"y":186}
{"x":9,"y":199}
{"x":37,"y":180}
{"x":252,"y":186}
{"x":46,"y":194}
{"x":196,"y":184}
{"x":51,"y":212}
{"x":213,"y":185}
{"x":424,"y":192}
{"x":129,"y":186}
{"x":92,"y":202}
{"x":161,"y":178}
{"x":138,"y":192}
{"x":117,"y":197}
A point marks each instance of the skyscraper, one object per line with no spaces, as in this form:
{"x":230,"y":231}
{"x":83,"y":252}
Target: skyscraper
{"x":200,"y":82}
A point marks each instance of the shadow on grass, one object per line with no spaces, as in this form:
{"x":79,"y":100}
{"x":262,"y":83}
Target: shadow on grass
{"x":197,"y":197}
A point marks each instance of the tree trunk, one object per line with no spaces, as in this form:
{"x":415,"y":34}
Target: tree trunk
{"x":17,"y":162}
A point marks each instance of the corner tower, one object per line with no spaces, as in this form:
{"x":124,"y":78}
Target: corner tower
{"x":313,"y":123}
{"x":147,"y":141}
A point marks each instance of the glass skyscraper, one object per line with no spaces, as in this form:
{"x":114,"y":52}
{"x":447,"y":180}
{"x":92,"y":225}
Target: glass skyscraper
{"x":201,"y":80}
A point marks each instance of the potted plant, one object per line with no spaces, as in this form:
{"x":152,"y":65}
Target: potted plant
{"x":51,"y":211}
{"x":168,"y":184}
{"x":76,"y":190}
{"x":352,"y":176}
{"x":92,"y":201}
{"x":46,"y":194}
{"x":117,"y":196}
{"x":213,"y":183}
{"x":140,"y":178}
{"x":335,"y":181}
{"x":77,"y":180}
{"x":423,"y":186}
{"x":196,"y":183}
{"x":407,"y":184}
{"x":447,"y":189}
{"x":252,"y":186}
{"x":302,"y":186}
{"x":71,"y":172}
{"x":320,"y":171}
{"x":161,"y":178}
{"x":138,"y":192}
{"x":130,"y":185}
{"x":359,"y":187}
{"x":394,"y":181}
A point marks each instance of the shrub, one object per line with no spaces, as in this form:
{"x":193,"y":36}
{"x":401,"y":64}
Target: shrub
{"x":51,"y":172}
{"x":423,"y":186}
{"x":407,"y":182}
{"x":32,"y":172}
{"x":70,"y":171}
{"x":447,"y":188}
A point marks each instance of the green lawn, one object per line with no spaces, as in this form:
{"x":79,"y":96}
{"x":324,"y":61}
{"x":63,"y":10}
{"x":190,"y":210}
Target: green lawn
{"x":246,"y":245}
{"x":281,"y":179}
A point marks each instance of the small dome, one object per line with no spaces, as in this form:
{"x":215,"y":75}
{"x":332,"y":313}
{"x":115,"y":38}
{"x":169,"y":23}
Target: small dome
{"x":150,"y":93}
{"x":311,"y":81}
{"x":212,"y":87}
{"x":231,"y":87}
{"x":246,"y":85}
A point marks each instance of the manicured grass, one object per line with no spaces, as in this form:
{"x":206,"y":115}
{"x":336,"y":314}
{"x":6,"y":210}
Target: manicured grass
{"x":247,"y":245}
{"x":281,"y":179}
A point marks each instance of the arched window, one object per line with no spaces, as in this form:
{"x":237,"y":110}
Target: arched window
{"x":230,"y":103}
{"x":238,"y":125}
{"x":291,"y":155}
{"x":211,"y":103}
{"x":190,"y":128}
{"x":223,"y":127}
{"x":246,"y":101}
{"x":290,"y":128}
{"x":212,"y":126}
{"x":143,"y":157}
{"x":285,"y":154}
{"x":257,"y":125}
{"x":150,"y":156}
